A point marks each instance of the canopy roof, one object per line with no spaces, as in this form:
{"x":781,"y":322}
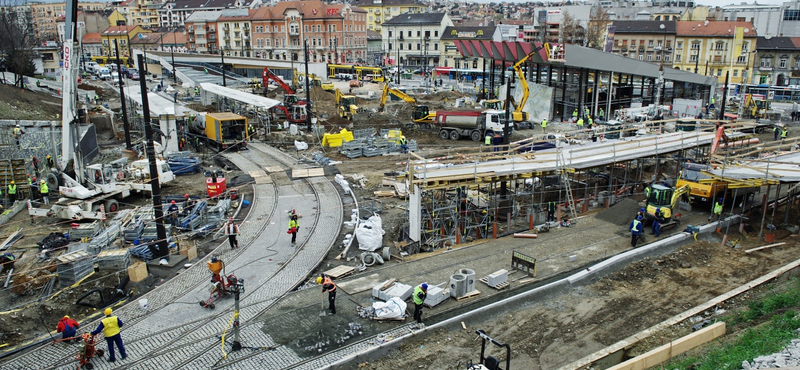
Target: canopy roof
{"x":254,"y":100}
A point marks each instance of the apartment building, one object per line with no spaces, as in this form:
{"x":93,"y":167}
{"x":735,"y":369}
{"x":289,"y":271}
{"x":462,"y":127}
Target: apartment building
{"x":380,"y":11}
{"x":204,"y":22}
{"x":123,"y":35}
{"x":45,"y":17}
{"x":336,"y":33}
{"x":778,"y":61}
{"x":708,"y":48}
{"x":649,"y":41}
{"x":235,"y":32}
{"x":174,"y":13}
{"x":415,"y":39}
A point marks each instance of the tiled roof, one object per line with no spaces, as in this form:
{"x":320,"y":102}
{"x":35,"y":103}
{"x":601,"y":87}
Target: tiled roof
{"x":92,"y":38}
{"x":713,"y":28}
{"x":372,"y":35}
{"x":118,"y":30}
{"x":309,"y":9}
{"x":415,"y":18}
{"x":645,"y":27}
{"x":776,"y":43}
{"x":364,"y":3}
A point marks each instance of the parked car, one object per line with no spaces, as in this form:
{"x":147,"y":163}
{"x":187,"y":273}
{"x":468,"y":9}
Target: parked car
{"x":134,"y":75}
{"x":115,"y":76}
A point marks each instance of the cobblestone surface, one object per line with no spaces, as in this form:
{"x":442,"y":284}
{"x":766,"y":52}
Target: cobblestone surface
{"x":176,"y":332}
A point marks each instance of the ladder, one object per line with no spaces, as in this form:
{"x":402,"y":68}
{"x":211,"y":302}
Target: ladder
{"x":563,"y":171}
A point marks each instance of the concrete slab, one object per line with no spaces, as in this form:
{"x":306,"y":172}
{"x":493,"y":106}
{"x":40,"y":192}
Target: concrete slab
{"x":174,"y":264}
{"x":361,"y":284}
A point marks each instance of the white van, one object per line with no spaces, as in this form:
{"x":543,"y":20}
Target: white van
{"x":91,"y":67}
{"x":104,"y":73}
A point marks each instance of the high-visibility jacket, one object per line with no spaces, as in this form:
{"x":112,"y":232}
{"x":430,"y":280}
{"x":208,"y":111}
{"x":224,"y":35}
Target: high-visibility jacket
{"x":575,"y":113}
{"x":111,"y":326}
{"x":783,"y":133}
{"x":43,"y":189}
{"x":327,"y":284}
{"x":580,"y":122}
{"x":419,"y":295}
{"x":231,"y":229}
{"x":487,"y":140}
{"x":551,"y":206}
{"x":717,"y":208}
{"x":293,"y":223}
{"x":601,"y":113}
{"x":12,"y":189}
{"x":590,"y":121}
{"x":17,"y":130}
{"x":636,"y":226}
{"x":544,"y":123}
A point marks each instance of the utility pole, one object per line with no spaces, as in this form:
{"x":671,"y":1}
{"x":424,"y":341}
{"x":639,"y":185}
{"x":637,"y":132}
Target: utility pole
{"x":222,"y":56}
{"x":125,"y":124}
{"x":506,"y":129}
{"x":172,"y":53}
{"x":308,"y":88}
{"x":724,"y":97}
{"x":161,"y":232}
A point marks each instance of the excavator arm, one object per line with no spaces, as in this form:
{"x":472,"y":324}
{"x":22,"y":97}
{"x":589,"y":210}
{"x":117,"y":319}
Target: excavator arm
{"x":268,"y":75}
{"x":388,"y":90}
{"x":679,"y":192}
{"x":337,"y":96}
{"x":518,"y":114}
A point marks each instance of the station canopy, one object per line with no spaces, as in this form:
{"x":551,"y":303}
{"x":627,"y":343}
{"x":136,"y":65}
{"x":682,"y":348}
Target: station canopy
{"x":244,"y":97}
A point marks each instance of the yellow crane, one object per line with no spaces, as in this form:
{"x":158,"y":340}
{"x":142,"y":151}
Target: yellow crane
{"x":421,"y":112}
{"x":518,"y":115}
{"x":346,"y":105}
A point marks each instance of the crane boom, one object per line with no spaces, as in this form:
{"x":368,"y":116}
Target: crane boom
{"x":268,"y":75}
{"x":518,"y":114}
{"x":69,"y":96}
{"x":388,"y":90}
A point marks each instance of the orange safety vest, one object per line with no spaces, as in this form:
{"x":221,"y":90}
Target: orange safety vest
{"x":233,"y":229}
{"x":326,"y":280}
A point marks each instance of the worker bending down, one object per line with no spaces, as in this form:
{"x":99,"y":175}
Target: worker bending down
{"x":420,"y":293}
{"x":330,"y":287}
{"x":67,"y":327}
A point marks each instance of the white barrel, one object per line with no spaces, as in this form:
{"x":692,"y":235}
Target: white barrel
{"x":469,"y":279}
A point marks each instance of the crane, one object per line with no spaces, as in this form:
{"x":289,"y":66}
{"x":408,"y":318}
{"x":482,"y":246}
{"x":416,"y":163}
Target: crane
{"x":346,"y":105}
{"x":289,"y":97}
{"x":421,"y":113}
{"x":518,"y":115}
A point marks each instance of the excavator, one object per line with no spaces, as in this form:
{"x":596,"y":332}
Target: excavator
{"x":421,"y":113}
{"x":292,"y":108}
{"x":518,"y":115}
{"x":666,"y":198}
{"x":315,"y":81}
{"x":346,"y":105}
{"x":756,"y":106}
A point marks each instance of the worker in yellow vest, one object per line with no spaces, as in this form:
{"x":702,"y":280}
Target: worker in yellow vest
{"x":12,"y":192}
{"x":544,"y":125}
{"x":580,"y":123}
{"x":45,"y":191}
{"x":110,"y":326}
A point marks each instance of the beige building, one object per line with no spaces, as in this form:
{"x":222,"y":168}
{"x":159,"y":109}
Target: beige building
{"x":708,"y":48}
{"x":46,"y":15}
{"x":451,"y":57}
{"x":380,"y":11}
{"x":648,"y":41}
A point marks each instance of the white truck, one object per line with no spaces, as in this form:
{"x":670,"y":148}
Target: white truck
{"x":475,"y":125}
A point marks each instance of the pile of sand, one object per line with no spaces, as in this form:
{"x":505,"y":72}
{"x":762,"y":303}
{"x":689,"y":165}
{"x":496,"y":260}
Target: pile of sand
{"x":621,"y":213}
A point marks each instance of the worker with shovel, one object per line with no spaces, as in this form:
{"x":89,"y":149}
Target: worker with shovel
{"x":110,"y":327}
{"x":330,"y":287}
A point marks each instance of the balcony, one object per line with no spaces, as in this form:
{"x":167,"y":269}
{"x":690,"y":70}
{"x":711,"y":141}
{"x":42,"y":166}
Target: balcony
{"x":226,"y":28}
{"x":190,"y":30}
{"x":294,"y":32}
{"x":227,"y":38}
{"x":212,"y":29}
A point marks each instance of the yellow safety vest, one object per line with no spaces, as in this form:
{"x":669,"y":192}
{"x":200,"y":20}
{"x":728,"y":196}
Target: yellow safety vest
{"x":580,"y":122}
{"x":292,"y":223}
{"x":44,"y":188}
{"x":12,"y":189}
{"x":717,"y":208}
{"x":110,"y":326}
{"x":544,"y":123}
{"x":487,"y":140}
{"x":634,"y":227}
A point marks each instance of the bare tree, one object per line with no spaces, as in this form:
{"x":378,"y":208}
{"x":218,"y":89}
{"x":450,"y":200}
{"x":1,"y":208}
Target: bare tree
{"x":596,"y":28}
{"x":570,"y":31}
{"x":17,"y":39}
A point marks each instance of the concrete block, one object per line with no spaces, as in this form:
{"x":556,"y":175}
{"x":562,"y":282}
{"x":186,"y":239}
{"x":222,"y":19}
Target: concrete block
{"x":498,"y":277}
{"x":435,"y":296}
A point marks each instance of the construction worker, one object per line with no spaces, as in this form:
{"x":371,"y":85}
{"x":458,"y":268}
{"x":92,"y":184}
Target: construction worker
{"x":601,"y":114}
{"x":496,"y":141}
{"x":657,"y":220}
{"x":636,"y":228}
{"x":172,"y":211}
{"x":575,"y":114}
{"x":12,"y":192}
{"x":590,"y":122}
{"x":186,"y":202}
{"x":544,"y":125}
{"x":293,"y":226}
{"x":18,"y":134}
{"x":641,"y":213}
{"x":420,"y":293}
{"x":403,"y":144}
{"x":110,"y":326}
{"x":35,"y":162}
{"x":196,"y":91}
{"x":330,"y":287}
{"x":551,"y":211}
{"x":50,"y":162}
{"x":776,"y":131}
{"x":588,"y":112}
{"x":580,"y":123}
{"x":44,"y":191}
{"x":717,"y":210}
{"x":487,"y":140}
{"x":67,"y":327}
{"x":784,"y":132}
{"x":231,"y":230}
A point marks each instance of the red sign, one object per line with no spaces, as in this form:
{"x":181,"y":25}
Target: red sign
{"x":334,"y":11}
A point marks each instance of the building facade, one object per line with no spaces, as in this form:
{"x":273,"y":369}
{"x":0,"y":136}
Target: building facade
{"x":45,"y":17}
{"x":92,"y":45}
{"x":204,"y":23}
{"x":414,"y":39}
{"x":778,"y":61}
{"x":235,"y":32}
{"x":123,"y":36}
{"x":336,"y":33}
{"x":174,"y":13}
{"x":707,"y":47}
{"x":380,"y":11}
{"x":451,"y":57}
{"x":649,"y":41}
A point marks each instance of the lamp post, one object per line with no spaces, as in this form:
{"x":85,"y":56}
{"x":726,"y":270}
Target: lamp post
{"x":222,"y":57}
{"x":660,"y":81}
{"x":172,"y":54}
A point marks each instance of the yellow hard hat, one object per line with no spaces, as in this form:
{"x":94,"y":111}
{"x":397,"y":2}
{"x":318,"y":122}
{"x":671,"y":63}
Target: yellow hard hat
{"x":12,"y":181}
{"x":108,"y":311}
{"x":319,"y":280}
{"x":66,"y":317}
{"x":42,"y":181}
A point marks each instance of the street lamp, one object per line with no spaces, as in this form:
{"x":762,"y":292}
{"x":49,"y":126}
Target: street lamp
{"x":660,"y":81}
{"x":172,"y":54}
{"x":222,"y":57}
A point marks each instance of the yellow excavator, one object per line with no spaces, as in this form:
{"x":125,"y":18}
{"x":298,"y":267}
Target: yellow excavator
{"x":666,"y":198}
{"x":315,"y":81}
{"x":518,"y":115}
{"x":346,"y":105}
{"x":756,"y":106}
{"x":421,"y":113}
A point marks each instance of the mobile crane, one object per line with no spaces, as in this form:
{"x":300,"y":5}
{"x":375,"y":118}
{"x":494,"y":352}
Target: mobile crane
{"x":421,"y":112}
{"x":518,"y":115}
{"x":91,"y":187}
{"x":292,"y":108}
{"x":346,"y":105}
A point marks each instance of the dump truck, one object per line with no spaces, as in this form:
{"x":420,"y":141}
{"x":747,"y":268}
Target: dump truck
{"x":226,"y":129}
{"x":472,"y":124}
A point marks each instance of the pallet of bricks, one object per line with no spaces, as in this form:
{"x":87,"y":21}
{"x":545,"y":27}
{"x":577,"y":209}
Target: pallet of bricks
{"x":73,"y":267}
{"x":81,"y":231}
{"x":114,"y":259}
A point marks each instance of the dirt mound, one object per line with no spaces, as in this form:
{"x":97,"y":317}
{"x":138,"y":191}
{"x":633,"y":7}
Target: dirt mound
{"x":697,"y":254}
{"x":620,"y":213}
{"x":16,"y":103}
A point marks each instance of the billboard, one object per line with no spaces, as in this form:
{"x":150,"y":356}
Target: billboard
{"x":610,"y":30}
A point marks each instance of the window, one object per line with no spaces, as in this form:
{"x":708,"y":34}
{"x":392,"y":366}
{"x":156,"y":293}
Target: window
{"x":783,"y":63}
{"x":401,"y":46}
{"x":766,"y":62}
{"x":649,"y":56}
{"x":735,"y":73}
{"x":796,"y":63}
{"x":719,"y":72}
{"x":266,"y":42}
{"x":791,"y":15}
{"x":258,"y":29}
{"x":658,"y":57}
{"x":390,"y":34}
{"x":650,"y":44}
{"x":436,"y":47}
{"x":641,"y":57}
{"x":409,"y":46}
{"x":696,"y":45}
{"x":418,"y":47}
{"x":677,"y":58}
{"x":390,"y":46}
{"x":720,"y":46}
{"x":659,"y":43}
{"x":692,"y":58}
{"x":418,"y":32}
{"x":409,"y":33}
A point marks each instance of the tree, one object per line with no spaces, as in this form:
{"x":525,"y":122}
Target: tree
{"x":596,"y":28}
{"x":17,"y":39}
{"x":570,"y":31}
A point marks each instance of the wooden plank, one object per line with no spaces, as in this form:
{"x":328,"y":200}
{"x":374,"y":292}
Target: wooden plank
{"x":523,"y":235}
{"x":383,"y":193}
{"x":764,"y":247}
{"x":663,"y":353}
{"x":388,"y":284}
{"x":315,"y":172}
{"x":339,"y":271}
{"x":469,"y":295}
{"x":273,"y":169}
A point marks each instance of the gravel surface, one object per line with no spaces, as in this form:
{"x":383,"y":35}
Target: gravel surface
{"x":788,"y":358}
